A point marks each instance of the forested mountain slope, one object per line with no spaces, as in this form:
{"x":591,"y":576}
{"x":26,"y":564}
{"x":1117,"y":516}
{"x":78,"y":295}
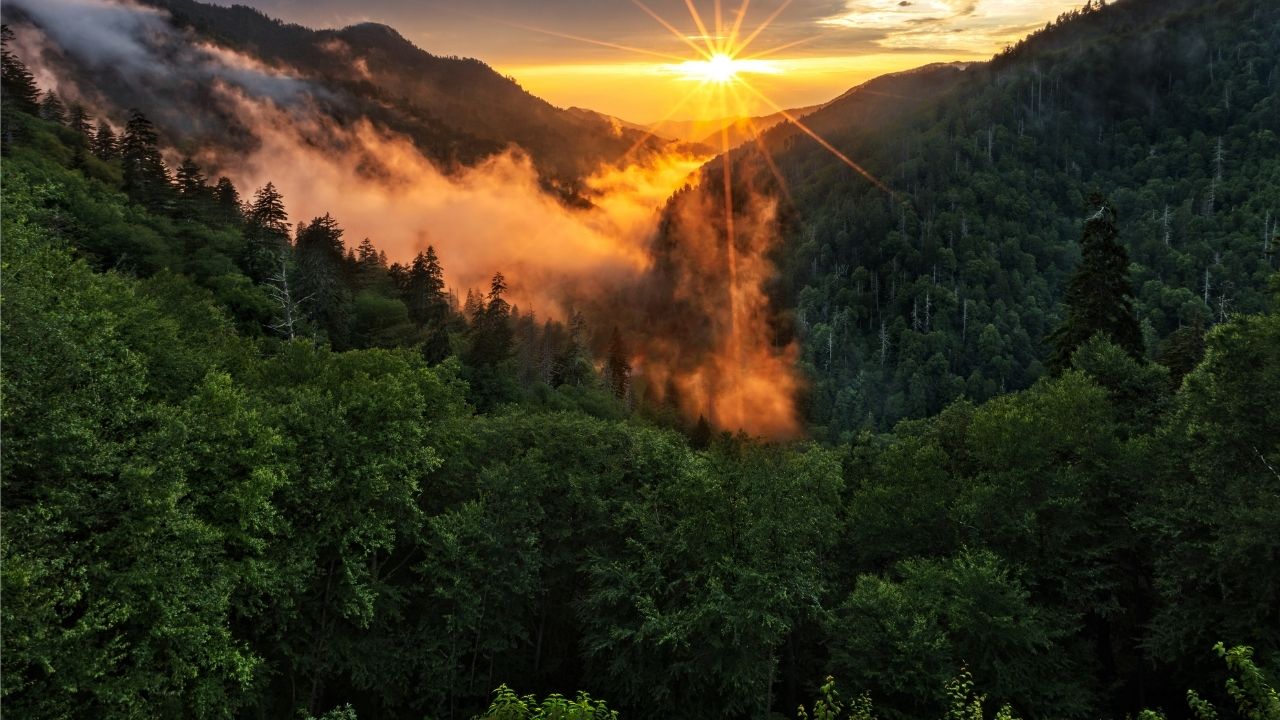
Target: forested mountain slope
{"x":251,"y":469}
{"x":948,"y":287}
{"x":456,"y":110}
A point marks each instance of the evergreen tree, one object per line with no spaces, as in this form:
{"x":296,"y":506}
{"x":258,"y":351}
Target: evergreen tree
{"x":191,"y":181}
{"x":146,"y":178}
{"x":227,"y":201}
{"x":492,"y":381}
{"x":52,"y":109}
{"x":574,"y":366}
{"x":428,"y":304}
{"x":321,"y":255}
{"x":267,"y":232}
{"x":78,"y":120}
{"x":617,"y":367}
{"x":1099,"y":296}
{"x":16,"y":81}
{"x":104,"y":144}
{"x":425,"y":293}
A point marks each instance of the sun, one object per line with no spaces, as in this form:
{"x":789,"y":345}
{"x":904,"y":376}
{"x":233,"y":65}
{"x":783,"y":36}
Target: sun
{"x":722,"y":69}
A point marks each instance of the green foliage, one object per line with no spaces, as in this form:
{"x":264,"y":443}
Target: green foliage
{"x":507,"y":705}
{"x":949,"y":288}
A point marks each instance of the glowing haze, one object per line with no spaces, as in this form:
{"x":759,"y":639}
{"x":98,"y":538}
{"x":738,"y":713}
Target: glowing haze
{"x":570,"y":51}
{"x":675,"y":258}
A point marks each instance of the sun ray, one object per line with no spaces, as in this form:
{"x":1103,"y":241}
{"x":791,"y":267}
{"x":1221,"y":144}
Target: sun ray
{"x":719,"y":28}
{"x":649,"y":134}
{"x":731,"y":256}
{"x":767,"y":22}
{"x":732,"y":42}
{"x":672,"y":29}
{"x":702,"y":28}
{"x":819,"y":139}
{"x":784,"y":46}
{"x":758,"y":138}
{"x":602,"y":43}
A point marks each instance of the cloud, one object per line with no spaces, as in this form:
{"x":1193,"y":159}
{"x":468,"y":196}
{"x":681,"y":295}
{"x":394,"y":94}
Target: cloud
{"x":692,"y":306}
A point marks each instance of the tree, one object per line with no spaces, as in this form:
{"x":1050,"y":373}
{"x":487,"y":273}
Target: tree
{"x":226,"y":200}
{"x":1099,"y":296}
{"x":78,"y":120}
{"x":487,"y":357}
{"x":52,"y":108}
{"x":573,"y":366}
{"x":193,"y":190}
{"x":617,"y":367}
{"x":428,"y":303}
{"x":146,"y":179}
{"x":320,"y":254}
{"x":267,"y":232}
{"x":16,"y":81}
{"x":105,"y":144}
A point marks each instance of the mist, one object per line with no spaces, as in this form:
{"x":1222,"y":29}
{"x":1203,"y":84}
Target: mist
{"x":646,"y":255}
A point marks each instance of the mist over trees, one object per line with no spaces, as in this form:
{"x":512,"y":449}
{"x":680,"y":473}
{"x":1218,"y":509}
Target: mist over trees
{"x":251,"y":468}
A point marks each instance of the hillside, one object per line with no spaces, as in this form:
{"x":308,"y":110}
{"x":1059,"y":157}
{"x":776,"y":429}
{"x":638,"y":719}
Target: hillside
{"x":456,"y":110}
{"x":949,"y":287}
{"x":252,"y":469}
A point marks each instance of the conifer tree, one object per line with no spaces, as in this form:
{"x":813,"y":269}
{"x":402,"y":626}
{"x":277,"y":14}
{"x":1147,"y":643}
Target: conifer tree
{"x":1099,"y":297}
{"x":617,"y":367}
{"x":16,"y":81}
{"x":52,"y":109}
{"x":320,"y":256}
{"x":226,"y":200}
{"x":78,"y":120}
{"x":146,"y":178}
{"x":573,"y":366}
{"x":267,"y":232}
{"x":104,"y":144}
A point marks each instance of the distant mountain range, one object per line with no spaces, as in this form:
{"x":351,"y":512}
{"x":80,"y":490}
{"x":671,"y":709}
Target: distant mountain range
{"x":456,"y":110}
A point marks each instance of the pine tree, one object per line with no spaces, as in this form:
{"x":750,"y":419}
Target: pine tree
{"x":16,"y":81}
{"x":78,"y":120}
{"x":52,"y":109}
{"x":267,"y":233}
{"x":146,"y":178}
{"x":105,"y":145}
{"x":226,"y":199}
{"x":574,"y":366}
{"x":321,"y":256}
{"x":618,"y":367}
{"x":424,"y":293}
{"x":1099,"y":297}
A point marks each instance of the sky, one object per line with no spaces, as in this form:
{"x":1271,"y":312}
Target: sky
{"x":615,"y":57}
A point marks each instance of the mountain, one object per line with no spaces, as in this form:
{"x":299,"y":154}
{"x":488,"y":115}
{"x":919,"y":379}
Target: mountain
{"x":456,"y":110}
{"x":947,"y":285}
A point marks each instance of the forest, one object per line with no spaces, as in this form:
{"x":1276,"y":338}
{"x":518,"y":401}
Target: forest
{"x":253,"y":469}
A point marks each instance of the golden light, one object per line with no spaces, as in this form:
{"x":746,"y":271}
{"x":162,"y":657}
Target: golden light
{"x":722,"y":68}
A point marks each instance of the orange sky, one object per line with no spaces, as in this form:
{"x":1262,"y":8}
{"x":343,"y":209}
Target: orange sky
{"x":570,"y":52}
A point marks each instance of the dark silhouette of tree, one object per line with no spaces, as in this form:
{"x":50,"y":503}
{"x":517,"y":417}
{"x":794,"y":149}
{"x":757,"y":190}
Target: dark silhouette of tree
{"x":16,"y":81}
{"x":700,"y":438}
{"x":573,"y":366}
{"x":105,"y":144}
{"x":492,"y":381}
{"x":617,"y":366}
{"x":146,"y":179}
{"x":267,"y":233}
{"x":52,"y":108}
{"x":226,"y":201}
{"x":1099,"y":296}
{"x":428,"y":304}
{"x":78,"y":120}
{"x":320,"y":256}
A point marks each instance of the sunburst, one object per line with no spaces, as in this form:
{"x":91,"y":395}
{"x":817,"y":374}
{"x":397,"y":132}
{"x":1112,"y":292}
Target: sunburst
{"x":720,"y":67}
